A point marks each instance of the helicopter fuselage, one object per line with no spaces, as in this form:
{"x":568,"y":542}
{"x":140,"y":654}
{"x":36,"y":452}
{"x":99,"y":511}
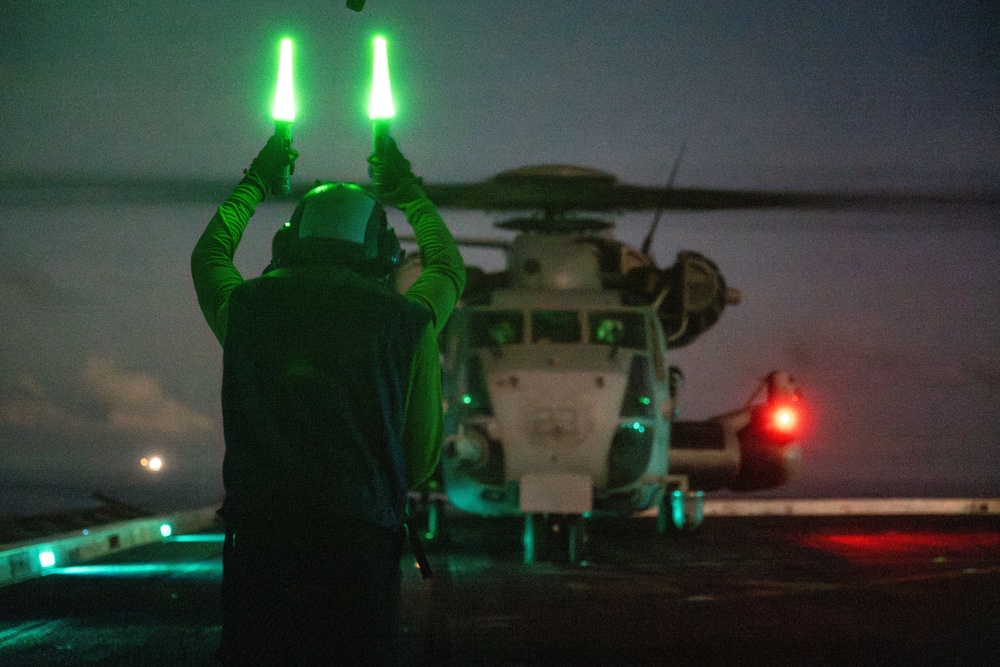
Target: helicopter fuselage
{"x":559,"y":401}
{"x":559,"y":398}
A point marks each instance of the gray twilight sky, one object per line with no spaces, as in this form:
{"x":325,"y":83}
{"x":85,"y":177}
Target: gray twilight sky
{"x":889,"y":320}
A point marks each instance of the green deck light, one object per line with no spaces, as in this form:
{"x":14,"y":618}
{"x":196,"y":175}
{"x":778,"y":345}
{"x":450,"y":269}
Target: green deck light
{"x":211,"y":569}
{"x":47,"y":559}
{"x":166,"y":530}
{"x":201,"y":537}
{"x":283,"y":112}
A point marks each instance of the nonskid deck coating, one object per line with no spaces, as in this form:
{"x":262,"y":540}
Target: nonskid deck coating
{"x":742,"y":590}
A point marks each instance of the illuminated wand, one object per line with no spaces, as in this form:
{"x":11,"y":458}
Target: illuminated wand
{"x":380,"y":106}
{"x":283,"y":113}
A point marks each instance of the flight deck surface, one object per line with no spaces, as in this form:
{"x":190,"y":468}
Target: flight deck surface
{"x":740,"y":591}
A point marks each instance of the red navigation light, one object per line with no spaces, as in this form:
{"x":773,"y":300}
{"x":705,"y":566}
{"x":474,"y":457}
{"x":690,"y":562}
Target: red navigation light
{"x":781,"y":419}
{"x":779,"y":422}
{"x":784,"y":419}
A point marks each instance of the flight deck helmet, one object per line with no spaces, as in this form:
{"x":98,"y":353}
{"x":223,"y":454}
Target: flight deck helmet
{"x":338,"y":223}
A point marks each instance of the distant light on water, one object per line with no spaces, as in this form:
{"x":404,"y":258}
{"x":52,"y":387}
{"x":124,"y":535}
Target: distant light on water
{"x":152,"y":464}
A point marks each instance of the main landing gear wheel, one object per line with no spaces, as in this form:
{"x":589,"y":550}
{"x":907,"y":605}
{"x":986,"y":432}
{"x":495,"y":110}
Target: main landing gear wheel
{"x":680,"y":511}
{"x":427,"y":517}
{"x":435,"y":521}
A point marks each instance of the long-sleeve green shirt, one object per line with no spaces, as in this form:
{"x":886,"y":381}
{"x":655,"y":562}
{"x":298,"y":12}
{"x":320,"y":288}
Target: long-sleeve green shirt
{"x":437,"y":290}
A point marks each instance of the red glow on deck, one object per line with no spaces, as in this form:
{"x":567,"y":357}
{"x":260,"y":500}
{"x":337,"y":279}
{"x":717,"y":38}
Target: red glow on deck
{"x":916,"y":543}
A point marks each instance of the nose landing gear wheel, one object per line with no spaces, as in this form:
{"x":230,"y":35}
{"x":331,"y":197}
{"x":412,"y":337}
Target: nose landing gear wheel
{"x":554,"y":538}
{"x":680,"y":511}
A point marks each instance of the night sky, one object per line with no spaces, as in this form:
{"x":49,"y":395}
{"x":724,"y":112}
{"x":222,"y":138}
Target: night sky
{"x":889,"y":319}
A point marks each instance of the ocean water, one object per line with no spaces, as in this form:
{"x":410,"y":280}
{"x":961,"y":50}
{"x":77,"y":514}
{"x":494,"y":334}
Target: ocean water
{"x":27,"y":499}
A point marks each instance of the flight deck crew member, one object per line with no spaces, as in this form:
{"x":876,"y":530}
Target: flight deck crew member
{"x":331,"y":402}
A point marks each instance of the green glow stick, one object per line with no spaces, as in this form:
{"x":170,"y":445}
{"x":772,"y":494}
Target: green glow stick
{"x":284,"y":97}
{"x":380,"y":106}
{"x":283,"y":112}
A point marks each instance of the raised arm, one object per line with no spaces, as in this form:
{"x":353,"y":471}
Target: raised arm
{"x":214,"y":274}
{"x":442,"y":279}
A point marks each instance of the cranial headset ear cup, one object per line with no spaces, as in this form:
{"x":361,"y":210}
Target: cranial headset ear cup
{"x":281,"y":242}
{"x":390,"y":252}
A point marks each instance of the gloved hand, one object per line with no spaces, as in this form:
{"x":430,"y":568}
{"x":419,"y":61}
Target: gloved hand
{"x":270,"y":163}
{"x":389,"y":170}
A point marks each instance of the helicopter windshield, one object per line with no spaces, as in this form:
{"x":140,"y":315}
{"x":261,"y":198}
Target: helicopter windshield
{"x":617,"y":328}
{"x":489,"y":328}
{"x":614,"y":328}
{"x":555,"y":326}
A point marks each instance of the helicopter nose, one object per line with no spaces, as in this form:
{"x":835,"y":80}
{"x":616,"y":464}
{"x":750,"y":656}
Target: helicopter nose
{"x":555,"y":423}
{"x":467,"y":448}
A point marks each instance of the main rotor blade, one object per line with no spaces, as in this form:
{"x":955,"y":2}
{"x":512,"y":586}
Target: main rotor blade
{"x":498,"y":196}
{"x":503,"y":193}
{"x":73,"y":190}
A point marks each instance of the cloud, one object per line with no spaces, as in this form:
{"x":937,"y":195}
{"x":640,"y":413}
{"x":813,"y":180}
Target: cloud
{"x":26,"y":284}
{"x":137,"y":403}
{"x":27,"y":406}
{"x":108,"y":401}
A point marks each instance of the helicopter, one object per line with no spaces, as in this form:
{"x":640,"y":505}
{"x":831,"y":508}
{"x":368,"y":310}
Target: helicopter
{"x":560,"y":403}
{"x":546,"y":416}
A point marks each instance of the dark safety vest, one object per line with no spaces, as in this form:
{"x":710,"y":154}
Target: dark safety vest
{"x":316,"y":372}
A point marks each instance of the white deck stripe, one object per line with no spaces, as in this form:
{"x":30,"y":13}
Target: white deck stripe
{"x":849,"y":506}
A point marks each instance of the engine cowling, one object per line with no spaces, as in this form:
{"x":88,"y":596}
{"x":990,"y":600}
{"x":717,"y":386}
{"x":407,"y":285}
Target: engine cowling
{"x":690,"y":295}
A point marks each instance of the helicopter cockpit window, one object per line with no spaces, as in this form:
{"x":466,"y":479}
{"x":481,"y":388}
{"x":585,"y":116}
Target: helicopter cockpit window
{"x":489,"y":328}
{"x":555,"y":326}
{"x":617,"y":329}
